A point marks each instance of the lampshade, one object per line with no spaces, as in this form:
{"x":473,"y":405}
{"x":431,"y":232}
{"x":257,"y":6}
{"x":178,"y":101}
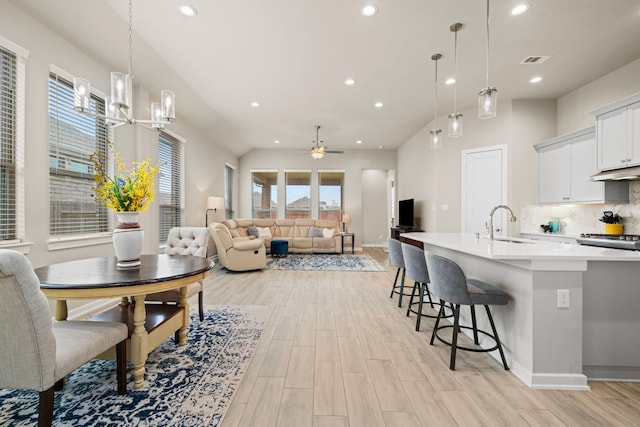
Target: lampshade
{"x":487,"y":97}
{"x":215,"y":203}
{"x":346,"y":218}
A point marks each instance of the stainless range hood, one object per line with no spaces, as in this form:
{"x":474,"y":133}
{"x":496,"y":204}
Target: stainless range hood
{"x":626,"y":174}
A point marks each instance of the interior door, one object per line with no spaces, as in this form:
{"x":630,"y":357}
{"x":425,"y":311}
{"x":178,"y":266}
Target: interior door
{"x":484,"y":186}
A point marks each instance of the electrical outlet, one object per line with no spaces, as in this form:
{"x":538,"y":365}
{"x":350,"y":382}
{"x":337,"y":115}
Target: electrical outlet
{"x":564,"y":298}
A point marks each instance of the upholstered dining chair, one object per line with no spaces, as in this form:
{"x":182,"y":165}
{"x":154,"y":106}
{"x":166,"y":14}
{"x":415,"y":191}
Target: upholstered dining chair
{"x":37,"y":353}
{"x":185,"y":241}
{"x":451,"y":285}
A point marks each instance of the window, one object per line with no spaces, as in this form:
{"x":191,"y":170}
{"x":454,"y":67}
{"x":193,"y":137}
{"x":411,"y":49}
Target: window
{"x":298,"y":195}
{"x":8,"y":120}
{"x":265,"y":195}
{"x":330,"y":195}
{"x":72,"y":137}
{"x":229,"y":177}
{"x":170,"y":184}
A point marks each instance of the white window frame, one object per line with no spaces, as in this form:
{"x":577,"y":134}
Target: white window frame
{"x":254,"y":171}
{"x":22,"y":55}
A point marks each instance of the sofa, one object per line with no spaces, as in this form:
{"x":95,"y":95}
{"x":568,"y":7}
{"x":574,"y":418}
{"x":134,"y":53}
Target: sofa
{"x":303,"y":235}
{"x":237,"y":254}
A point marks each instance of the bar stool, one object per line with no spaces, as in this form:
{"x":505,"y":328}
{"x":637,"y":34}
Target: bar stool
{"x":397,"y":260}
{"x":451,"y":285}
{"x":416,"y":267}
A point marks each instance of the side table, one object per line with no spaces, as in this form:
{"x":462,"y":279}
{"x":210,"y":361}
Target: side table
{"x":352,"y":241}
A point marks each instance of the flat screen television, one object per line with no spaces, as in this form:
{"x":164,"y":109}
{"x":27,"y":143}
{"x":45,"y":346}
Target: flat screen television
{"x":405,"y":213}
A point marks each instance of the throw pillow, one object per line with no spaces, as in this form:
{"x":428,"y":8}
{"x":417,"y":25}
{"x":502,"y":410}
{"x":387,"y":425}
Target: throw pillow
{"x":315,"y":232}
{"x":327,"y":232}
{"x":264,"y":232}
{"x":252,"y":230}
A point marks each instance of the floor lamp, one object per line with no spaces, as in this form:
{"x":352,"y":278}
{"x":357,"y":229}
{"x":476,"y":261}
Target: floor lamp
{"x":213,"y":204}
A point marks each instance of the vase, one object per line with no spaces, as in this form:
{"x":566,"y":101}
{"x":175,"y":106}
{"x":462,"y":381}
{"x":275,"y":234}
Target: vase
{"x":128,"y":237}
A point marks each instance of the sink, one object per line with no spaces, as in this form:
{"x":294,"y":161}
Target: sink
{"x":506,"y":239}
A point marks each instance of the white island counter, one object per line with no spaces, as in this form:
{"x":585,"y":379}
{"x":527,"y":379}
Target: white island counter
{"x":596,"y":337}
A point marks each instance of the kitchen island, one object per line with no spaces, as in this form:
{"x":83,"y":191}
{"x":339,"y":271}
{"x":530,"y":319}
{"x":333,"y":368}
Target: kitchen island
{"x":596,"y":337}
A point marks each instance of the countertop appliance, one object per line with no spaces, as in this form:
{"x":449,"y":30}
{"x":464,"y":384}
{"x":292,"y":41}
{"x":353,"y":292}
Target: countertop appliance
{"x":614,"y":241}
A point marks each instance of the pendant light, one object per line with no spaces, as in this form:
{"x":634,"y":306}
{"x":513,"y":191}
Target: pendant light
{"x":436,"y":141}
{"x":455,"y":118}
{"x":487,"y":97}
{"x":119,"y":106}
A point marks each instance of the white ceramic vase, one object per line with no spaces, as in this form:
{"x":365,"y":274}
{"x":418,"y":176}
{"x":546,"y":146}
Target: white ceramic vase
{"x":128,"y":237}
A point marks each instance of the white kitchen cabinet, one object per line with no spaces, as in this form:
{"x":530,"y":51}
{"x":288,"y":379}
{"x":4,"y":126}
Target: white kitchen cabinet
{"x":618,"y":133}
{"x":565,"y":164}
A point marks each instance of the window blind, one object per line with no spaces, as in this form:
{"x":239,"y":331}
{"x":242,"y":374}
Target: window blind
{"x":8,"y":118}
{"x":170,"y":185}
{"x":72,"y":137}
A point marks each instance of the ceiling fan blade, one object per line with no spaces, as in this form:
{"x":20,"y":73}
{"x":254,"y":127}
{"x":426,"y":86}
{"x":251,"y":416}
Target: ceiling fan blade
{"x":334,"y":152}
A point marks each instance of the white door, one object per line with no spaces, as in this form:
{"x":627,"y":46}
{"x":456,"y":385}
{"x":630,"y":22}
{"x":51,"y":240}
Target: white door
{"x":484,"y":186}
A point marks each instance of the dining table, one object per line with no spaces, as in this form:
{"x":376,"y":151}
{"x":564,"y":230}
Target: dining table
{"x":101,"y":278}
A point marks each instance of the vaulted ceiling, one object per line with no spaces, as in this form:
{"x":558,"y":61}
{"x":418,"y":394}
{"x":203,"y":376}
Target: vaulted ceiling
{"x":293,"y":57}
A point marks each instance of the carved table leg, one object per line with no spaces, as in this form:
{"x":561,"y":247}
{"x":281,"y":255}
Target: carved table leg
{"x":182,"y":333}
{"x":139,"y":342}
{"x":61,"y":309}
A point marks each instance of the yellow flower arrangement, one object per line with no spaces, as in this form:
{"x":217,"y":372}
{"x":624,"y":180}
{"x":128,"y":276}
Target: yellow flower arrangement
{"x":125,"y":191}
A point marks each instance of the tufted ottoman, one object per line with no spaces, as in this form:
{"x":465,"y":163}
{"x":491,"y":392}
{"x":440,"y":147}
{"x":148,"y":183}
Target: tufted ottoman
{"x":279,"y":248}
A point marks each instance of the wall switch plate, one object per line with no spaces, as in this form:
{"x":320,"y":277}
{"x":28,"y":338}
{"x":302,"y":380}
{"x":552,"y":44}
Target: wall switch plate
{"x":564,"y":298}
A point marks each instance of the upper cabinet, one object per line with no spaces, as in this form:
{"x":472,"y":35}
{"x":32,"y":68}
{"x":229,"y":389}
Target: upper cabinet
{"x":565,"y":165}
{"x":618,"y":133}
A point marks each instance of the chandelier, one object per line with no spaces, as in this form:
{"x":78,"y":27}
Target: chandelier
{"x":119,"y":106}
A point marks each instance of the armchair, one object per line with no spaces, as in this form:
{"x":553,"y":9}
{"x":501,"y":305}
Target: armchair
{"x":36,"y":353}
{"x":239,"y":254}
{"x":185,"y":241}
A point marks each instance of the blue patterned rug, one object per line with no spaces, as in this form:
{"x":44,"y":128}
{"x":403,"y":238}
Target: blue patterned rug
{"x":324,"y":262}
{"x":184,"y":386}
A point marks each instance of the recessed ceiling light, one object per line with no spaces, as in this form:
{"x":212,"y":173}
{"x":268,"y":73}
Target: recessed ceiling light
{"x":381,"y":147}
{"x":359,"y":141}
{"x":255,"y":104}
{"x":187,"y":10}
{"x":450,"y":81}
{"x":536,"y":79}
{"x":276,"y":141}
{"x":349,"y":82}
{"x":378,"y":104}
{"x":520,"y":9}
{"x":369,"y":10}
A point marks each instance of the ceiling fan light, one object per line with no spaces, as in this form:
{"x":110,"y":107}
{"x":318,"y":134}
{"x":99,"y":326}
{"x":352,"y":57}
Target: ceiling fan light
{"x":317,"y":154}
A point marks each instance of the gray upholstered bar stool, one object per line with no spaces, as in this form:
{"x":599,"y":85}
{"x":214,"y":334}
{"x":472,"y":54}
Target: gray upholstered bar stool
{"x":397,"y":260}
{"x":416,"y":267}
{"x":451,"y":285}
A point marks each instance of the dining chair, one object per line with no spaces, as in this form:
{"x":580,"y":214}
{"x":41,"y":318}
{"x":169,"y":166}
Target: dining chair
{"x":185,"y":241}
{"x":36,"y":352}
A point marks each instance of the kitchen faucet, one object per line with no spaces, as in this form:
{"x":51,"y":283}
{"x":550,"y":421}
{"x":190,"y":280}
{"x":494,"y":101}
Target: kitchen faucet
{"x":512,"y":218}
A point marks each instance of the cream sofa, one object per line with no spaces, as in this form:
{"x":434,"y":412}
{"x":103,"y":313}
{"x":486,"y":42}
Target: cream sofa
{"x":297,"y":232}
{"x":237,"y":254}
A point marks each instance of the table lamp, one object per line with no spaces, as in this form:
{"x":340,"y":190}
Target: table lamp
{"x":346,"y":219}
{"x":213,"y":204}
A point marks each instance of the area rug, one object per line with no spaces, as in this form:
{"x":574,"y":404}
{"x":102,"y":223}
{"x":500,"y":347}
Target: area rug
{"x":324,"y":262}
{"x":184,"y":386}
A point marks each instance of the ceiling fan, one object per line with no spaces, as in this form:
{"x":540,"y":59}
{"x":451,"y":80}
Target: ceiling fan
{"x":318,"y":151}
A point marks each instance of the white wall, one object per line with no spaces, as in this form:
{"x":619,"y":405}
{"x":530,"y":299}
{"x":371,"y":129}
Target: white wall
{"x":351,"y":162}
{"x":203,"y":160}
{"x":433,"y":178}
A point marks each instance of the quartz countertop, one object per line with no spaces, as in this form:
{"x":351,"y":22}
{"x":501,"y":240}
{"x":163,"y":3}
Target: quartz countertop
{"x":513,"y":248}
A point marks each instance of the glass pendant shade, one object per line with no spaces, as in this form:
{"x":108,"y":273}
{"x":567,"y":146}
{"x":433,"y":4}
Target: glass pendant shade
{"x":436,"y":141}
{"x":167,"y":99}
{"x":82,"y":95}
{"x":120,"y":90}
{"x":156,"y":116}
{"x":455,"y":125}
{"x":112,"y":113}
{"x":487,"y":103}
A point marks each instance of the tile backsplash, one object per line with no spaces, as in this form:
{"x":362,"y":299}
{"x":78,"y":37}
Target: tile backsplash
{"x":576,"y":219}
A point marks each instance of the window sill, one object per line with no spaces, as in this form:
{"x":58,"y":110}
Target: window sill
{"x":23,"y":247}
{"x":56,"y":244}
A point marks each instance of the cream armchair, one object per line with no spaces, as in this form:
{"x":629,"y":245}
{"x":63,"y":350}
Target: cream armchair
{"x":36,"y":353}
{"x":240,"y":253}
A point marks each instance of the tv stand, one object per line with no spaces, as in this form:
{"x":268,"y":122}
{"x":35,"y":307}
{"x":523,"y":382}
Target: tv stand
{"x":395,"y":231}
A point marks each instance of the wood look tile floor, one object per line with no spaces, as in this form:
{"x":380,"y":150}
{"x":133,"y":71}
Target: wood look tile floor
{"x":339,"y":352}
